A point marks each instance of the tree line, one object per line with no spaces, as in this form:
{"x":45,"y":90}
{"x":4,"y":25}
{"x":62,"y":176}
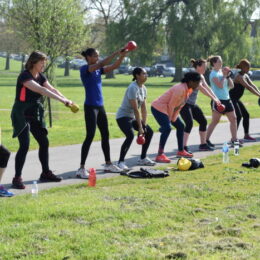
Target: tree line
{"x":181,"y":28}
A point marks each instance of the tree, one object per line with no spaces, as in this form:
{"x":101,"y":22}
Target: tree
{"x":200,"y":28}
{"x":54,"y":27}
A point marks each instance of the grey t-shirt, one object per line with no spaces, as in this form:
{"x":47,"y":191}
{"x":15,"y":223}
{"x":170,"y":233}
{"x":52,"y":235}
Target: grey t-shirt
{"x":133,"y":92}
{"x":193,"y":97}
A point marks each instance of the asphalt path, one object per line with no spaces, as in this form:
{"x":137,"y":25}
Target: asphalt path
{"x":65,"y":160}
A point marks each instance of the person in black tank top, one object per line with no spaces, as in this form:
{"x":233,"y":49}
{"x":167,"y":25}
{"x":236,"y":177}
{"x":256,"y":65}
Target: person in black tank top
{"x":242,"y":81}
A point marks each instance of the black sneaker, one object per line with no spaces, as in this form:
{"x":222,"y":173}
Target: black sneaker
{"x":186,"y":148}
{"x":17,"y":183}
{"x":205,"y":147}
{"x":49,"y":177}
{"x":210,"y":144}
{"x":232,"y":143}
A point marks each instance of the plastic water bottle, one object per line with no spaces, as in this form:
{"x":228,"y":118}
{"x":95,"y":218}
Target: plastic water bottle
{"x":236,"y":148}
{"x":225,"y":151}
{"x":92,"y":177}
{"x":35,"y":189}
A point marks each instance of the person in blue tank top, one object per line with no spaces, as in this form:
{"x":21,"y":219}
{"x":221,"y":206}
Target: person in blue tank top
{"x":220,"y":83}
{"x":95,"y":114}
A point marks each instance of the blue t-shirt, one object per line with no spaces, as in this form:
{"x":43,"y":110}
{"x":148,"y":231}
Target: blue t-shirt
{"x":221,"y":93}
{"x":93,"y":86}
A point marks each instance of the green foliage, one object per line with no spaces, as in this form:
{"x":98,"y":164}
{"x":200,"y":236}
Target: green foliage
{"x":210,"y":213}
{"x":202,"y":28}
{"x":69,"y":128}
{"x":54,"y":27}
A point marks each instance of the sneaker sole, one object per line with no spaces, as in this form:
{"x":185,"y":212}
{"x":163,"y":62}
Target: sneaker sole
{"x":48,"y":180}
{"x":183,"y":156}
{"x":249,"y":141}
{"x":206,"y":150}
{"x":162,"y":161}
{"x":18,"y":188}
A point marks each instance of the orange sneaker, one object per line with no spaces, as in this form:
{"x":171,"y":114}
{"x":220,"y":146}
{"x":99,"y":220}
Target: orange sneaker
{"x":162,"y":158}
{"x":184,"y":154}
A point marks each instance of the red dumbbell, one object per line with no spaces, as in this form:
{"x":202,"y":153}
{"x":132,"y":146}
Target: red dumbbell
{"x":140,"y":139}
{"x":221,"y":108}
{"x":130,"y":46}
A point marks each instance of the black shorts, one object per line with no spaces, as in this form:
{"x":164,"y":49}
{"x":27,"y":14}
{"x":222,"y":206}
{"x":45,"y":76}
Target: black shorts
{"x":228,"y":106}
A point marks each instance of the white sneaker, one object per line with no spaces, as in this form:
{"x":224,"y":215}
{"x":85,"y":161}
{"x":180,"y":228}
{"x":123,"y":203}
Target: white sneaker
{"x":123,"y":166}
{"x":146,"y":162}
{"x":82,"y":173}
{"x":112,"y":168}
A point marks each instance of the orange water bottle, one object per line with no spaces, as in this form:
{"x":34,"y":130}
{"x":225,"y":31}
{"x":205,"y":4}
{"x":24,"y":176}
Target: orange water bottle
{"x":92,"y":177}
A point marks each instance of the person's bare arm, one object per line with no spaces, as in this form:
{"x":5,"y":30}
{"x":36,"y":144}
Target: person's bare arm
{"x":35,"y":87}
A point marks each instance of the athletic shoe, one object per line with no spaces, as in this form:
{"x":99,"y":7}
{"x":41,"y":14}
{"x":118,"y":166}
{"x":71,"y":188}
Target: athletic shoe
{"x":187,"y":149}
{"x":146,"y":162}
{"x":162,"y":159}
{"x":122,"y":166}
{"x":82,"y":173}
{"x":249,"y":138}
{"x":5,"y":193}
{"x":112,"y":168}
{"x":210,"y":144}
{"x":232,"y":143}
{"x":17,"y":183}
{"x":49,"y":177}
{"x":184,"y":154}
{"x":205,"y":147}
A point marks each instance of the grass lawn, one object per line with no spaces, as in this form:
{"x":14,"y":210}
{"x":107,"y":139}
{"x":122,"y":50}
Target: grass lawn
{"x":69,"y":128}
{"x":210,"y":213}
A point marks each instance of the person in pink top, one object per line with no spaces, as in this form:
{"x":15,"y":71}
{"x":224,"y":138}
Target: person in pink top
{"x":166,"y":110}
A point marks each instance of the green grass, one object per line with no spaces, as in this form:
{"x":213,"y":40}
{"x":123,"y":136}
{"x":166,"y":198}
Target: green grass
{"x":69,"y":128}
{"x":210,"y":213}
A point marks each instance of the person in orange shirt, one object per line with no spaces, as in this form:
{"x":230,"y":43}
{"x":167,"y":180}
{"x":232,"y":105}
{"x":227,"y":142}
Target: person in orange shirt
{"x":166,"y":109}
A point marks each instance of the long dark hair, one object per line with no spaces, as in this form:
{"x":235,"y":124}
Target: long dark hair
{"x":243,"y":63}
{"x":196,"y":63}
{"x":34,"y":57}
{"x":191,"y":76}
{"x":137,"y":71}
{"x":88,"y":52}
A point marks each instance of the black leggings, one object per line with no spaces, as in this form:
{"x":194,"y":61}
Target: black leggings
{"x":241,"y":111}
{"x":95,"y":116}
{"x":4,"y":156}
{"x":40,"y":134}
{"x":127,"y":125}
{"x":190,"y":112}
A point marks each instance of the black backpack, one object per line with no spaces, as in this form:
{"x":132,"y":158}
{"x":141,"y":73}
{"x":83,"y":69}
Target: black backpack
{"x":146,"y":173}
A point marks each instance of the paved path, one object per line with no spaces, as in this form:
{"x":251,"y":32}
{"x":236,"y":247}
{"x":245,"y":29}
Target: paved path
{"x":64,"y":160}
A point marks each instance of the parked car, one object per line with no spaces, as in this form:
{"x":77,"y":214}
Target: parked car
{"x":255,"y":75}
{"x":123,"y":69}
{"x":168,"y":72}
{"x":159,"y":69}
{"x":77,"y":63}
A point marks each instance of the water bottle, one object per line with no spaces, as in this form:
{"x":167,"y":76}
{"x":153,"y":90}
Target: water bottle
{"x":225,"y":151}
{"x":35,"y":189}
{"x":92,"y":177}
{"x":236,"y":148}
